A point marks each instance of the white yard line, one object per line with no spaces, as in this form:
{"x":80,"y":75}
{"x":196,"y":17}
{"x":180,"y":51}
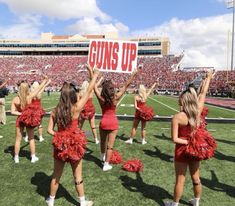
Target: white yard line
{"x":212,"y":130}
{"x":121,"y":100}
{"x":49,"y":108}
{"x":163,"y":104}
{"x":230,"y":110}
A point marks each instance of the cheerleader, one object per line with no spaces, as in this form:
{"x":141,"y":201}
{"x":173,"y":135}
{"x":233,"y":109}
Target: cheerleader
{"x":88,"y":111}
{"x":69,"y":141}
{"x":37,"y":100}
{"x":143,"y":113}
{"x":29,"y":116}
{"x":108,"y":127}
{"x":186,"y":132}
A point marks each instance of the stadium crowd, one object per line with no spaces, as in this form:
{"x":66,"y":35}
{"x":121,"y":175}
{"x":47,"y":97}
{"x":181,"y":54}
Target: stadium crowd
{"x":165,"y":69}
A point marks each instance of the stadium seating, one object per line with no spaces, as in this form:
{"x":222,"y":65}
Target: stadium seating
{"x":71,"y":68}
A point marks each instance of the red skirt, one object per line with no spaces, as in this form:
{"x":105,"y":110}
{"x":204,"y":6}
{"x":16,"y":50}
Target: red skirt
{"x":109,"y":122}
{"x":88,"y":112}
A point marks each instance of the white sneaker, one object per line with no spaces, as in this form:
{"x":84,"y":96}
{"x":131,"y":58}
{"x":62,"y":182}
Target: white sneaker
{"x":86,"y":203}
{"x":144,"y":142}
{"x":16,"y":159}
{"x":102,"y":157}
{"x":26,"y":139}
{"x":41,"y":139}
{"x":50,"y":202}
{"x":97,"y":141}
{"x":34,"y":159}
{"x":194,"y":202}
{"x":1,"y":136}
{"x":107,"y":167}
{"x":129,"y":141}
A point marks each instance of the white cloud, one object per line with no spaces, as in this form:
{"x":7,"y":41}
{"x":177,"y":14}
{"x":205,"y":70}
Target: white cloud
{"x":89,"y":18}
{"x":93,"y":26}
{"x":203,"y":39}
{"x":59,"y":9}
{"x":26,"y":28}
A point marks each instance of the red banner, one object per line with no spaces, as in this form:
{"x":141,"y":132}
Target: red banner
{"x":113,"y":55}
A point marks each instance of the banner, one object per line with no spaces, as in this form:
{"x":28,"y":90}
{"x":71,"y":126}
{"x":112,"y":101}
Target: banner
{"x":113,"y":55}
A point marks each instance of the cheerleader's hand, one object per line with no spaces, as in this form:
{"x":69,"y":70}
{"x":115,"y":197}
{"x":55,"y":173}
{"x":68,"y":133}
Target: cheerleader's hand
{"x":88,"y":66}
{"x":210,"y":74}
{"x":45,"y":76}
{"x":96,"y":70}
{"x":49,"y":81}
{"x":135,"y":72}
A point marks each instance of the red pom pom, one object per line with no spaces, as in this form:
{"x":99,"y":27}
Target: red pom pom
{"x":201,"y":146}
{"x":134,"y":165}
{"x":204,"y":112}
{"x":203,"y":122}
{"x":116,"y":158}
{"x":32,"y":115}
{"x":69,"y":145}
{"x":146,"y":113}
{"x":87,"y":113}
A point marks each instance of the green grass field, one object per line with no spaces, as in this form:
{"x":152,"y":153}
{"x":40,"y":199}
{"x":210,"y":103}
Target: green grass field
{"x":27,"y":184}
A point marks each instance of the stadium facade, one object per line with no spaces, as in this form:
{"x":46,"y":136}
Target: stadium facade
{"x":50,"y":44}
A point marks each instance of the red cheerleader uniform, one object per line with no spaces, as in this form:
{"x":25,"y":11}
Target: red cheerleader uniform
{"x":32,"y":114}
{"x":184,"y":132}
{"x":18,"y":123}
{"x":145,"y":113}
{"x":88,"y":110}
{"x":69,"y":143}
{"x":109,"y":120}
{"x":201,"y":145}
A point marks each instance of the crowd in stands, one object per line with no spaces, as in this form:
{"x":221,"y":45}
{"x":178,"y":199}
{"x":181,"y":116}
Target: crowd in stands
{"x":72,"y":68}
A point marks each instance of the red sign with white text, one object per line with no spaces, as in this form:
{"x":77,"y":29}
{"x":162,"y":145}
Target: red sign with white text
{"x":113,"y":55}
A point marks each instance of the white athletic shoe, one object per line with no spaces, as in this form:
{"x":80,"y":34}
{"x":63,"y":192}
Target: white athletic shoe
{"x":50,"y":202}
{"x":16,"y":159}
{"x":41,"y":139}
{"x":102,"y":157}
{"x":107,"y":167}
{"x":97,"y":141}
{"x":34,"y":159}
{"x":1,"y":136}
{"x":144,"y":142}
{"x":26,"y":138}
{"x":194,"y":202}
{"x":86,"y":203}
{"x":129,"y":141}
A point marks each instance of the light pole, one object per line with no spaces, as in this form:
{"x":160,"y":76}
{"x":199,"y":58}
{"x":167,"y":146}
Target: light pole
{"x":230,"y":4}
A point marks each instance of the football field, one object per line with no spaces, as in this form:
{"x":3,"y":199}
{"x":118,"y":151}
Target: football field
{"x":27,"y":184}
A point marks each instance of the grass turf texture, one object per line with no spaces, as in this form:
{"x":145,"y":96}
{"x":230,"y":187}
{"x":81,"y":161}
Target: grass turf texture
{"x":28,"y":184}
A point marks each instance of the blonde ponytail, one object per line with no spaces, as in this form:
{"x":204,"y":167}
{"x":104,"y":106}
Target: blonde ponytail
{"x":142,"y":92}
{"x":189,"y":103}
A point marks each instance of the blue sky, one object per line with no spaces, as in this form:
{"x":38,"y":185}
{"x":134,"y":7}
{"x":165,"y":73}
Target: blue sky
{"x":138,"y":15}
{"x":199,"y":27}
